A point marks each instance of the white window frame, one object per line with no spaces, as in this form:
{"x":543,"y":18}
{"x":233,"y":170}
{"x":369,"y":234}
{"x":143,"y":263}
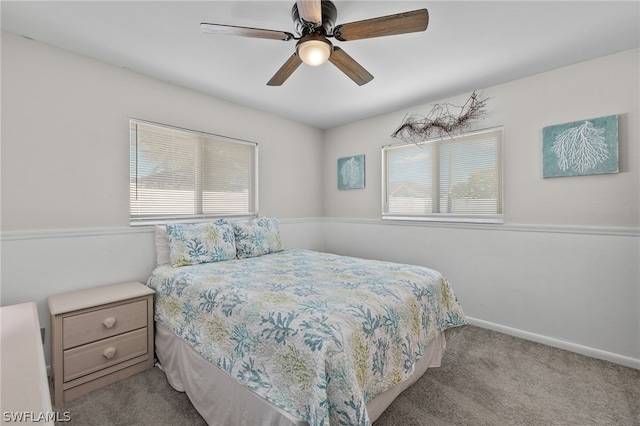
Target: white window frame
{"x":198,"y":215}
{"x":435,"y":215}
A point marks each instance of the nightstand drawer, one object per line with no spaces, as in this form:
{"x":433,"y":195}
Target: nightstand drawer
{"x":103,"y":323}
{"x":104,"y":353}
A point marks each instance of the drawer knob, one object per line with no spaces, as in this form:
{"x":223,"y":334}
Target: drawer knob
{"x":109,"y":322}
{"x":109,"y":352}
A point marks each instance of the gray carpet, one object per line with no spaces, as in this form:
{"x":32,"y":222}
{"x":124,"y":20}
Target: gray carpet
{"x":486,"y":378}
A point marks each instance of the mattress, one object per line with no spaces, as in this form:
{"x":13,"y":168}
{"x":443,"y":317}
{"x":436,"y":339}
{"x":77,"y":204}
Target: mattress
{"x":318,"y":336}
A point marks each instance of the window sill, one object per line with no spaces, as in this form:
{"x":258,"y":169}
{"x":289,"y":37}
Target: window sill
{"x":447,"y":218}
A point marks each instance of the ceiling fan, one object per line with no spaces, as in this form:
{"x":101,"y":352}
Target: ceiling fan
{"x":314,"y":22}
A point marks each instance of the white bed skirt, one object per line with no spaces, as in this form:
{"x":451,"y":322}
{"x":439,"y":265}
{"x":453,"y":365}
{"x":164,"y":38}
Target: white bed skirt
{"x":221,"y":400}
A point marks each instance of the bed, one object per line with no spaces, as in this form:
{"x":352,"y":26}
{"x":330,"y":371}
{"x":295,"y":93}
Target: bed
{"x":260,"y":334}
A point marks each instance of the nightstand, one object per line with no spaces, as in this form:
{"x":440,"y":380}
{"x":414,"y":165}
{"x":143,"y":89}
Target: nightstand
{"x":99,"y":336}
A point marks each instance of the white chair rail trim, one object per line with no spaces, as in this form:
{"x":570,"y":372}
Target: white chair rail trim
{"x":557,"y":229}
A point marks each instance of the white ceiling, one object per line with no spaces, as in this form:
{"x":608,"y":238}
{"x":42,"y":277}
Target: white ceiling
{"x":468,"y":45}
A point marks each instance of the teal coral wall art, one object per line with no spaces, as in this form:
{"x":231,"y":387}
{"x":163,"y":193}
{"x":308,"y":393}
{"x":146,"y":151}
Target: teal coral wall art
{"x":351,"y":172}
{"x":585,"y":147}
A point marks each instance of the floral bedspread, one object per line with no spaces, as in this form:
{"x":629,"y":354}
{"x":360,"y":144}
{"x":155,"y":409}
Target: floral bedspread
{"x":317,"y":334}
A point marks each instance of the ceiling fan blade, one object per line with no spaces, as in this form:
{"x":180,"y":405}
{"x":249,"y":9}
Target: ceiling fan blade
{"x":310,"y":11}
{"x":245,"y":31}
{"x":285,"y":70}
{"x":350,"y":67}
{"x":400,"y":23}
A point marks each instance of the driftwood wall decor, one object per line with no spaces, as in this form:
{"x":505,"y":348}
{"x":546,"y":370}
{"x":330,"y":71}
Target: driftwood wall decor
{"x":442,"y":120}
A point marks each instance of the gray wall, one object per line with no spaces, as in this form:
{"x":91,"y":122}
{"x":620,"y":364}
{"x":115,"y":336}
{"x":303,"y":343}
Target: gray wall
{"x":563,"y":269}
{"x":605,"y":86}
{"x":65,"y":169}
{"x":65,"y":140}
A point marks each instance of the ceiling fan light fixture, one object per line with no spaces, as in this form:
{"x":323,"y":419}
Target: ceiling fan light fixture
{"x":314,"y":49}
{"x":314,"y":21}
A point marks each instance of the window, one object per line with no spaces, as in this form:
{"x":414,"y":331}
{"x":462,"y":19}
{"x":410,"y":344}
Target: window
{"x":188,"y":175}
{"x":457,"y":179}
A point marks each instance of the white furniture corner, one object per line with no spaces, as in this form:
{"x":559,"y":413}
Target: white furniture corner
{"x":99,"y":336}
{"x":23,"y":378}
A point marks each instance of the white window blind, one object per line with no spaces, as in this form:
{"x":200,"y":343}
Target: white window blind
{"x":456,"y":179}
{"x":183,"y":174}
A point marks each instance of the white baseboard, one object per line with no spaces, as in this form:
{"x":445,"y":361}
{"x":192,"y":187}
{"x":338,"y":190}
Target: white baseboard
{"x":557,"y":343}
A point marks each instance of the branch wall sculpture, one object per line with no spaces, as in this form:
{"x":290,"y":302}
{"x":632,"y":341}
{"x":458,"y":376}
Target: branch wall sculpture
{"x":440,"y":121}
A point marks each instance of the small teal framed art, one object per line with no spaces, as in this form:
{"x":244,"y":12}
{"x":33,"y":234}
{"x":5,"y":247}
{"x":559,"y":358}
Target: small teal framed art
{"x":351,"y":172}
{"x":585,"y":147}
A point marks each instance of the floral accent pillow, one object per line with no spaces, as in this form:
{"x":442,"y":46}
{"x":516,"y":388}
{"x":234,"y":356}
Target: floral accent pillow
{"x":257,"y":237}
{"x":194,"y":243}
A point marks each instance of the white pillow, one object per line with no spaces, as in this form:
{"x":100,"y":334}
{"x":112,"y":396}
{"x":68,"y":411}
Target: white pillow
{"x":162,"y":245}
